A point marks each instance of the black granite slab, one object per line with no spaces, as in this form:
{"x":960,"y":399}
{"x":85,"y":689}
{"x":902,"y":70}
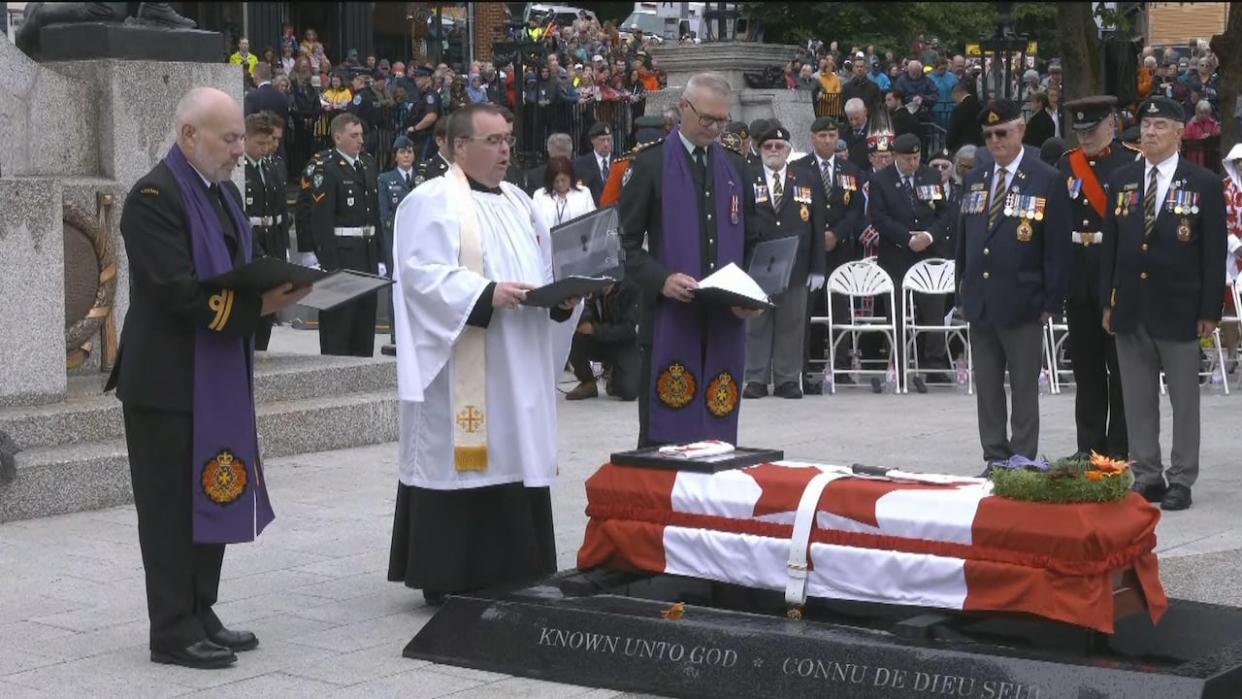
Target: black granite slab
{"x":602,"y":631}
{"x":87,"y":40}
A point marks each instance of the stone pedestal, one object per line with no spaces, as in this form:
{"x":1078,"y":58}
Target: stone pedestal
{"x":731,"y":59}
{"x":73,"y":130}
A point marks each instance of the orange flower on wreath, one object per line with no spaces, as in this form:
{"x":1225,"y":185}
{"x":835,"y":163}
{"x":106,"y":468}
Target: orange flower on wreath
{"x":1107,"y":466}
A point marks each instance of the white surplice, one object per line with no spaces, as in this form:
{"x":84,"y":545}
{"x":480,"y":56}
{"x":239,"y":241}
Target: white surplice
{"x":435,"y":295}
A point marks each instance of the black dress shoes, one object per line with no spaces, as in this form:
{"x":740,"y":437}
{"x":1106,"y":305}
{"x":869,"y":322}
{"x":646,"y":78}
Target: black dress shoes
{"x":1155,"y":492}
{"x":389,"y":350}
{"x":203,"y":655}
{"x":1177,"y":498}
{"x":875,"y":385}
{"x":235,"y":641}
{"x":433,"y":599}
{"x":788,"y":390}
{"x":919,"y":384}
{"x":755,"y":390}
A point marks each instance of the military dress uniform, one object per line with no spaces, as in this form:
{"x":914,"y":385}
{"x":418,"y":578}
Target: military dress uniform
{"x":782,"y":205}
{"x":263,"y":196}
{"x":344,"y":220}
{"x":900,"y":205}
{"x":1013,"y":257}
{"x":279,"y":169}
{"x":841,"y":182}
{"x":1099,"y":412}
{"x":393,"y":186}
{"x":302,"y":204}
{"x":1160,"y":270}
{"x":431,"y":168}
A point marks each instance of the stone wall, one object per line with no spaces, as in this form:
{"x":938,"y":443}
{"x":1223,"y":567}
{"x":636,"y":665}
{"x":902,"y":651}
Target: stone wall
{"x":47,"y":120}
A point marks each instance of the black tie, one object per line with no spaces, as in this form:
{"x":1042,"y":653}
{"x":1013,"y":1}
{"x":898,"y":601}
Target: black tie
{"x":408,"y":181}
{"x":700,"y":161}
{"x":910,"y":189}
{"x":603,"y":169}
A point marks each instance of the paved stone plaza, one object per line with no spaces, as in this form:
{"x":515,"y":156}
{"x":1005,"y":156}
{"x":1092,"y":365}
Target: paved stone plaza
{"x":73,"y":615}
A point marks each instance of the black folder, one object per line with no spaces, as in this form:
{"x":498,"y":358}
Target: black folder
{"x":772,"y":262}
{"x":586,"y":257}
{"x":332,"y":288}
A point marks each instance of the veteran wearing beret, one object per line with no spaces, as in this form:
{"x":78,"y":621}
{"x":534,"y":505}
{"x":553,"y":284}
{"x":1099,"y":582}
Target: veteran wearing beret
{"x":784,"y":200}
{"x":1013,"y":259}
{"x":1099,"y":414}
{"x":841,"y":182}
{"x":592,"y":168}
{"x":1160,"y":271}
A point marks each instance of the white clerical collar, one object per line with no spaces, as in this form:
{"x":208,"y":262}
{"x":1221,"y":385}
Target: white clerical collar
{"x":206,"y":181}
{"x":1012,"y":167}
{"x":347,"y":158}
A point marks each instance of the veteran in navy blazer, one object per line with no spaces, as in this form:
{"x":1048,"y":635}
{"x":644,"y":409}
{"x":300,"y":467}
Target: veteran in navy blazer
{"x":1160,"y":271}
{"x":1013,"y":261}
{"x":912,"y":212}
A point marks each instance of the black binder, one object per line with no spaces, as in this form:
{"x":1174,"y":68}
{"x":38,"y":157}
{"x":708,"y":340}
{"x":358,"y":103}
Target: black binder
{"x":586,"y":257}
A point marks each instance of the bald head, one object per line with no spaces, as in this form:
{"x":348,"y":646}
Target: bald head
{"x":210,"y":132}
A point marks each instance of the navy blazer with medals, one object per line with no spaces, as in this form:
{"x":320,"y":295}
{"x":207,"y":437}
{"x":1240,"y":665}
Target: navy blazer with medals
{"x":587,"y":169}
{"x":1175,"y":278}
{"x":392,"y":189}
{"x":1005,"y":278}
{"x":801,"y":214}
{"x":843,"y":208}
{"x":894,"y":217}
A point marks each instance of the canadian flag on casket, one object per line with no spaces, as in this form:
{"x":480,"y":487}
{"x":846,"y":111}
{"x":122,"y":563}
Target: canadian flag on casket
{"x":950,"y":545}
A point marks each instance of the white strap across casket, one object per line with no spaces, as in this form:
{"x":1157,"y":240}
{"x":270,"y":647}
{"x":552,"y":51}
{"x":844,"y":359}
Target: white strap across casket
{"x":799,"y":544}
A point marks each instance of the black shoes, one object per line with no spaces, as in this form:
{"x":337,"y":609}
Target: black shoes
{"x":389,"y":350}
{"x":755,"y":390}
{"x":919,"y":384}
{"x":875,"y":385}
{"x":203,"y":655}
{"x":433,"y":599}
{"x":1155,"y":492}
{"x":236,"y":641}
{"x":1177,"y":498}
{"x":788,"y":390}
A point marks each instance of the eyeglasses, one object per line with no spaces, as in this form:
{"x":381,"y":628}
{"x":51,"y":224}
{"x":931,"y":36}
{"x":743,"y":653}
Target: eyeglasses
{"x":495,"y":139}
{"x":941,"y":166}
{"x":996,"y":133}
{"x":775,"y":145}
{"x":706,"y":120}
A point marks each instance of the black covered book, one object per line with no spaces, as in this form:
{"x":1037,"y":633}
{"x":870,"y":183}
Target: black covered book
{"x":331,"y":289}
{"x":586,"y":257}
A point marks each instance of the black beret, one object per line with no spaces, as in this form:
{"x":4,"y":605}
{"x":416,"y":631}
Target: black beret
{"x":1086,"y":112}
{"x":758,"y":126}
{"x":907,"y":144}
{"x":599,"y":128}
{"x":738,"y":128}
{"x":1161,"y":107}
{"x":999,"y":112}
{"x":825,"y":123}
{"x":942,"y":154}
{"x":776,"y":132}
{"x":402,"y":141}
{"x":1051,"y":150}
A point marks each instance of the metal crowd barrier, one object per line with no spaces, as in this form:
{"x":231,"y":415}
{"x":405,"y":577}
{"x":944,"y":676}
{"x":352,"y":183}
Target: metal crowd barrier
{"x":828,"y":104}
{"x":575,"y":119}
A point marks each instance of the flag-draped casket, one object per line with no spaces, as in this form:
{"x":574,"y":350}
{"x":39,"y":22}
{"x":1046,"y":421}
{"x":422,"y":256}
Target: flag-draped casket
{"x":951,"y":545}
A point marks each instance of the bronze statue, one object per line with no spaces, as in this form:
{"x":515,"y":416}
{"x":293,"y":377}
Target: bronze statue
{"x":42,"y":14}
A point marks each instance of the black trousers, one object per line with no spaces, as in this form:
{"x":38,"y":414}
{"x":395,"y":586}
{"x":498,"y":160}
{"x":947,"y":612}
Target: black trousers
{"x":621,"y":357}
{"x":349,"y":329}
{"x":182,"y":577}
{"x":1099,"y":413}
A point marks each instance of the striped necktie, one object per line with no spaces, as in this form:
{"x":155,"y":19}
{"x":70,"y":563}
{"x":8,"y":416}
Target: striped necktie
{"x":998,"y":198}
{"x":778,"y":192}
{"x":826,"y":175}
{"x":1149,"y":203}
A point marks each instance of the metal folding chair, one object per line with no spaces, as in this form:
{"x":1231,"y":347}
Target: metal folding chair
{"x":862,"y":280}
{"x":932,"y":277}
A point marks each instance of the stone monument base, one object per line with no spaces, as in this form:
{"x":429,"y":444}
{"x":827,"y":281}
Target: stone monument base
{"x":623,"y":631}
{"x":89,"y":40}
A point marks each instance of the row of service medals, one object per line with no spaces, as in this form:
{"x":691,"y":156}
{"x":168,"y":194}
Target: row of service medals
{"x":1028,"y":208}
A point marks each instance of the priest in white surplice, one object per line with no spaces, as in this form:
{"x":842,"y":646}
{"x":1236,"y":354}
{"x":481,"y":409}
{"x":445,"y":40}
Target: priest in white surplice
{"x":475,"y":371}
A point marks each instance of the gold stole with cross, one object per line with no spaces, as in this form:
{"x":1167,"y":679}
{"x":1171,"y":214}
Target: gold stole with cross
{"x":469,"y":353}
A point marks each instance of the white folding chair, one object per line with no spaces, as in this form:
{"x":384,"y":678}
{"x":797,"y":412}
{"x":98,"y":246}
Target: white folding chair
{"x":859,"y":280}
{"x":1212,"y":365}
{"x":931,"y":277}
{"x":1055,"y":335}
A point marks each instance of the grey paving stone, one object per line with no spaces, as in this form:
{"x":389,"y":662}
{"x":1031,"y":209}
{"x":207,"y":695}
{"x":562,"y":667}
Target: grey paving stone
{"x":358,"y":667}
{"x":13,"y":661}
{"x":9,"y":690}
{"x":119,"y":675}
{"x":417,"y":683}
{"x":525,"y":688}
{"x":85,"y":645}
{"x":272,"y":685}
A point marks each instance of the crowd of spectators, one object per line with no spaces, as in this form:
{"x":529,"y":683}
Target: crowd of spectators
{"x":571,"y":71}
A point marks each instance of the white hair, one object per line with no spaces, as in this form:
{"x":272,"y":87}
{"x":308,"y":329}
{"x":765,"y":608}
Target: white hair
{"x":706,"y":82}
{"x":1149,"y":62}
{"x":562,"y":142}
{"x":914,"y":64}
{"x":1203,"y":107}
{"x":855,"y":105}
